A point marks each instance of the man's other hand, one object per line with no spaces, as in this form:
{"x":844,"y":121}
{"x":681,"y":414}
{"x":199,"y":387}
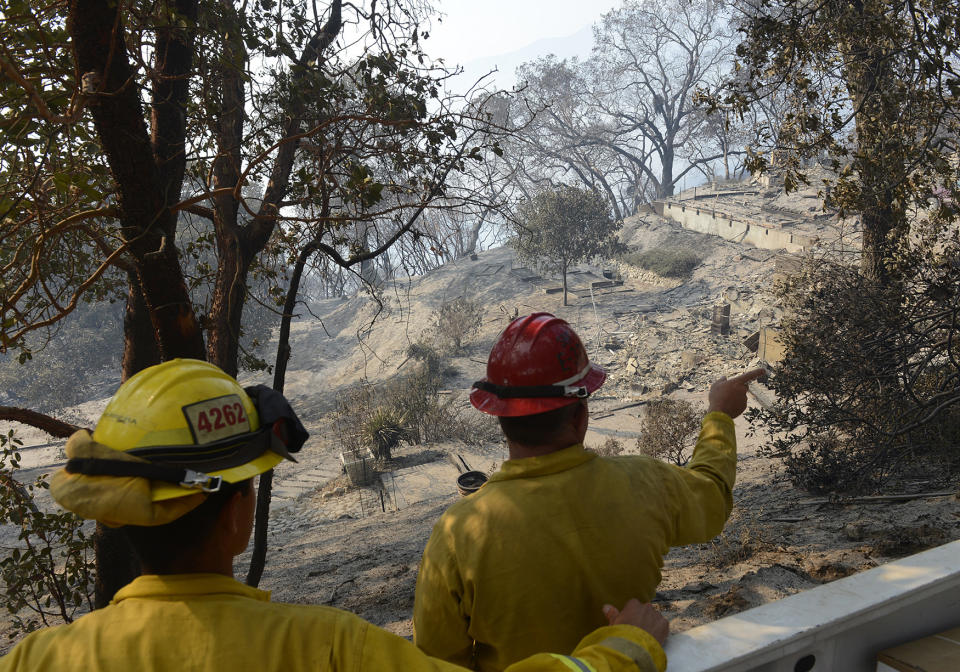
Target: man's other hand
{"x":729,"y":395}
{"x":641,"y":615}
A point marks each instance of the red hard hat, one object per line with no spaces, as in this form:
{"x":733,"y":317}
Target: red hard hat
{"x":538,"y":364}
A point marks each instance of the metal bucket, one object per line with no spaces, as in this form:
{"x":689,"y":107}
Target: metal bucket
{"x":470,"y":481}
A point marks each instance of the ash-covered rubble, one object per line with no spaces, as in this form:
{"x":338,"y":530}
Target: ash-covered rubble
{"x":668,"y":344}
{"x":677,"y":349}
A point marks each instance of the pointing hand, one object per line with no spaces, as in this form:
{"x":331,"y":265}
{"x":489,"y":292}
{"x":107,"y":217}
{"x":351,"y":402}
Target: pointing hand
{"x":729,"y":395}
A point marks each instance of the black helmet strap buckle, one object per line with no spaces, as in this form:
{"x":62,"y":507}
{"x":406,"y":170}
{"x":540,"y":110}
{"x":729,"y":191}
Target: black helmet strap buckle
{"x":200,"y":480}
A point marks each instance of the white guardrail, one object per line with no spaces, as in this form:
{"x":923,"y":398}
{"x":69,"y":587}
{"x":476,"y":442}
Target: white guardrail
{"x":836,"y":627}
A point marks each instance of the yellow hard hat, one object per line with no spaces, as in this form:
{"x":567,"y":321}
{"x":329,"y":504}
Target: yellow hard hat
{"x":170,"y":434}
{"x":189,"y":413}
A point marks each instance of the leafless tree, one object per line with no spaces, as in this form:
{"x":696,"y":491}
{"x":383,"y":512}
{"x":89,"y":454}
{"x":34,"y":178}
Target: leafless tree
{"x":621,"y":121}
{"x":649,"y":62}
{"x":564,"y":136}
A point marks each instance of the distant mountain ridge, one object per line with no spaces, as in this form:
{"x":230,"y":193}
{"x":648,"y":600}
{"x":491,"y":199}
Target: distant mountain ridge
{"x":577,"y":44}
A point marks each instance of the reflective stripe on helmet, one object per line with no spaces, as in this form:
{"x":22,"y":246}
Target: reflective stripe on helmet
{"x":576,"y":378}
{"x":574,"y":664}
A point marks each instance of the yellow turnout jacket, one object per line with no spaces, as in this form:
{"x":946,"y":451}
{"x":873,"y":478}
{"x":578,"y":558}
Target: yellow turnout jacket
{"x":209,"y":622}
{"x":526,"y":563}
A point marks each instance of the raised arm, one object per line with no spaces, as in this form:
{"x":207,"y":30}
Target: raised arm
{"x":702,"y":492}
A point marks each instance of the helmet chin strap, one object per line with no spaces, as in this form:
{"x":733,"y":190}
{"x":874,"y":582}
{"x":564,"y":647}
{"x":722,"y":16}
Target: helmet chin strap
{"x":188,"y":478}
{"x":562,"y":388}
{"x":531,"y":391}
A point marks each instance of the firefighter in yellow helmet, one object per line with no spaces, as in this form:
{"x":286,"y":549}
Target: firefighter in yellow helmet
{"x":171,"y":463}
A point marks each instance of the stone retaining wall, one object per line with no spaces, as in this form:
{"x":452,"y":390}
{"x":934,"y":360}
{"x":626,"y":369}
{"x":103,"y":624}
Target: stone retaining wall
{"x":714,"y":222}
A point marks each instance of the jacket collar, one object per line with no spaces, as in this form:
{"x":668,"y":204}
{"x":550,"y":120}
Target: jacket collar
{"x":153,"y":586}
{"x":552,"y":463}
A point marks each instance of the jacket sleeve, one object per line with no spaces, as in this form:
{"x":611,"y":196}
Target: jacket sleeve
{"x":617,"y":648}
{"x":702,"y":493}
{"x":614,"y":648}
{"x":439,"y":619}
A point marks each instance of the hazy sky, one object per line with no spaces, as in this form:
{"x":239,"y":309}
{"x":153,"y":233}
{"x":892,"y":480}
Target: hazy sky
{"x":475,"y":29}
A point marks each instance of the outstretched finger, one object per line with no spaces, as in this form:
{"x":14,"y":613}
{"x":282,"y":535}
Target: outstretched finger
{"x":749,"y":376}
{"x":611,"y":612}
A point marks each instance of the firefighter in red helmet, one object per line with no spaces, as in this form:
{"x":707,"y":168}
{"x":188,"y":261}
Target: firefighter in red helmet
{"x":558,"y":530}
{"x":537,"y":365}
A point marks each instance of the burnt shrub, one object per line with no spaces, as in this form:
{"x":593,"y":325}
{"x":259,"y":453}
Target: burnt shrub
{"x":869,"y":388}
{"x":668,"y":429}
{"x":455,"y":322}
{"x":411,"y":408}
{"x":609,"y":448}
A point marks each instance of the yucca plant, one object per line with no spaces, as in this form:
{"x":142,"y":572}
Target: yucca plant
{"x":384,"y":429}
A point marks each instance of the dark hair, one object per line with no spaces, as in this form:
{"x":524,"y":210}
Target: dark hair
{"x":540,"y":429}
{"x":161,"y":549}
